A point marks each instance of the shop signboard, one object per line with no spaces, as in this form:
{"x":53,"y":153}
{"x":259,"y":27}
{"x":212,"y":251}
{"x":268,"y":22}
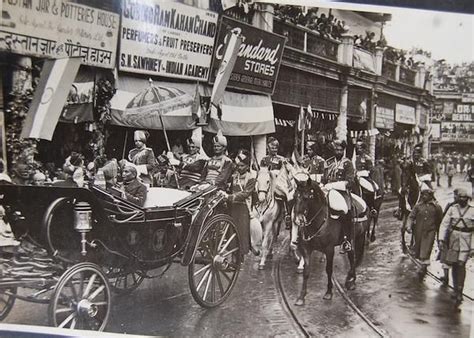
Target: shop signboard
{"x":457,"y":132}
{"x":405,"y":114}
{"x":423,"y":118}
{"x":258,"y":60}
{"x":464,"y":108}
{"x":463,"y":117}
{"x":55,"y":29}
{"x":435,"y":131}
{"x":467,"y":98}
{"x":385,"y":118}
{"x":160,"y":37}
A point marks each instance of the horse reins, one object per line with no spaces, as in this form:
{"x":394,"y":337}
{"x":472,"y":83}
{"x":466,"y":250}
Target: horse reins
{"x":308,"y":223}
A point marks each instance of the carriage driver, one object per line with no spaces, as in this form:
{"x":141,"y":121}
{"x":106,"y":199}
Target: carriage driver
{"x":343,"y":170}
{"x":218,"y":169}
{"x":275,"y":162}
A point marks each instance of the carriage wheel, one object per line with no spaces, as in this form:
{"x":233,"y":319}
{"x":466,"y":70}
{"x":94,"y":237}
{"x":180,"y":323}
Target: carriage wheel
{"x":7,"y":300}
{"x":81,"y":299}
{"x":216,"y":264}
{"x":123,"y":282}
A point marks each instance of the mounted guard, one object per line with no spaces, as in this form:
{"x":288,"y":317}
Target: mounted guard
{"x":343,"y":204}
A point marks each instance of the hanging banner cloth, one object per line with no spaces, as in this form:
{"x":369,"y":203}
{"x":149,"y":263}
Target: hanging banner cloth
{"x":136,"y":104}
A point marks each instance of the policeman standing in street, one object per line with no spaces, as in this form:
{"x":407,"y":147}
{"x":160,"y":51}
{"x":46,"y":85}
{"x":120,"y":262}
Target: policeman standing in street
{"x":456,"y":234}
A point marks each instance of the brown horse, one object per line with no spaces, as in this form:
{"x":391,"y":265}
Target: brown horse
{"x":319,"y":230}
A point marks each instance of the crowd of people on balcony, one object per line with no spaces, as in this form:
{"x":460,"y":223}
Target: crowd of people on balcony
{"x":368,"y":42}
{"x":326,"y":25}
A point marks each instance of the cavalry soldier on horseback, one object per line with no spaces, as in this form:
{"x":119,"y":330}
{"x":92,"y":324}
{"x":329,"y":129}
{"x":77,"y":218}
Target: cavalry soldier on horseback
{"x":419,"y":168}
{"x":316,"y":165}
{"x":341,"y":170}
{"x":274,"y":163}
{"x":218,"y":168}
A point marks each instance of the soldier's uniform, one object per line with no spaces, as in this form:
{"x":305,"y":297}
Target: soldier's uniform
{"x":272,"y":162}
{"x":342,"y":170}
{"x":363,"y":162}
{"x":218,"y":169}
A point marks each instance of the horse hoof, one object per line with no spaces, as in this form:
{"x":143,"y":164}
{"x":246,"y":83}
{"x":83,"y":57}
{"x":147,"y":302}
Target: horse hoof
{"x":372,"y":238}
{"x":261,"y":266}
{"x":299,"y":271}
{"x":350,"y":286}
{"x":328,"y":296}
{"x":299,"y":302}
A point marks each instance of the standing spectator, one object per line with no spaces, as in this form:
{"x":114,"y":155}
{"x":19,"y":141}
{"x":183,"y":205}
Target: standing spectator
{"x":424,"y":221}
{"x":451,"y":170}
{"x":456,"y":232}
{"x":470,"y":175}
{"x":462,"y":163}
{"x":396,"y":176}
{"x":439,"y":171}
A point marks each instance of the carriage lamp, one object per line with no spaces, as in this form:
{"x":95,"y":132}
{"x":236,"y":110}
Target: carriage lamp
{"x":83,"y":222}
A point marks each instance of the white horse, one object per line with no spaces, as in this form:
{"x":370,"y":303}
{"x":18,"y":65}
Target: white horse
{"x":272,"y":210}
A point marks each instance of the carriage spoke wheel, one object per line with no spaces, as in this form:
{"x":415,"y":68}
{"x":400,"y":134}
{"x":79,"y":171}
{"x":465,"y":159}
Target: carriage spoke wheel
{"x":7,"y":300}
{"x":123,"y":282}
{"x":216,"y":264}
{"x":81,"y":299}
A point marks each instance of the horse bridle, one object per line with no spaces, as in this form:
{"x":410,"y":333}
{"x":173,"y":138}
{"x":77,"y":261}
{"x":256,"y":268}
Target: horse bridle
{"x":307,"y":224}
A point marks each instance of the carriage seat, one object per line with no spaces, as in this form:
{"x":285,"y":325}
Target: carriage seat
{"x":164,"y":197}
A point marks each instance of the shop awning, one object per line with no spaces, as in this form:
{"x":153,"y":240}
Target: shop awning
{"x":242,"y":114}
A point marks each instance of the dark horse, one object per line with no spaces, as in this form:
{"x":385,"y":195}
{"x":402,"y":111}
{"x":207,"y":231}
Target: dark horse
{"x":319,"y":231}
{"x":374,"y":200}
{"x":408,"y":197}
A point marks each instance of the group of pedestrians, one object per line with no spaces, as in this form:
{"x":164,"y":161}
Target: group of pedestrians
{"x":453,"y":229}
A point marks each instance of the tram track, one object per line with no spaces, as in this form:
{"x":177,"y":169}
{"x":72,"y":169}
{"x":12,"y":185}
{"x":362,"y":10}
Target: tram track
{"x":298,"y":323}
{"x":432,"y":275}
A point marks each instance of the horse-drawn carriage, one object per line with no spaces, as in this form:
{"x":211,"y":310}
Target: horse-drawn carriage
{"x":78,"y":245}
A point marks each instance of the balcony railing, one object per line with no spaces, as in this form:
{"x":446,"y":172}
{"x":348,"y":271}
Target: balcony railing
{"x":363,"y":59}
{"x":307,"y":40}
{"x":407,"y":76}
{"x":389,"y":70}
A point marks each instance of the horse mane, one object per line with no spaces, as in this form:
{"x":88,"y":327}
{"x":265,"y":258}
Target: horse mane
{"x":319,"y":192}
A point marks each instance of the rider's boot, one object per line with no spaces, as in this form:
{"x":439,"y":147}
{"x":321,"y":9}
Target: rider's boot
{"x":294,"y":237}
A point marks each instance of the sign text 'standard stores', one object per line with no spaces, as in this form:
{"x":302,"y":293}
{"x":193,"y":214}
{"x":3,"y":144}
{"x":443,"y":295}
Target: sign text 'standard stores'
{"x":169,"y":19}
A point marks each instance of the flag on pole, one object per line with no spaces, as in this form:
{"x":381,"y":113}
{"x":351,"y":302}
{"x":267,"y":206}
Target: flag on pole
{"x":234,"y":41}
{"x":301,"y":120}
{"x":49,"y":98}
{"x":309,"y":117}
{"x":196,"y":106}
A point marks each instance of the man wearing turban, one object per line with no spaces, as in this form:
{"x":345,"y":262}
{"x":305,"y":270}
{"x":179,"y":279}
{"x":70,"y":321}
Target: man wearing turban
{"x":192,"y":163}
{"x":240,"y":198}
{"x":133,"y":190}
{"x":424,"y":221}
{"x":142,"y":156}
{"x":218,"y":169}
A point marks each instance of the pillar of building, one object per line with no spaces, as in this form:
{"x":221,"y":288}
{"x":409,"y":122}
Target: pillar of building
{"x":378,"y":60}
{"x":372,"y":137}
{"x":397,"y":71}
{"x":421,"y":74}
{"x":341,"y":127}
{"x":347,"y":49}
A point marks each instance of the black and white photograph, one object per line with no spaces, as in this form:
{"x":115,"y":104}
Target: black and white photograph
{"x":237,"y":168}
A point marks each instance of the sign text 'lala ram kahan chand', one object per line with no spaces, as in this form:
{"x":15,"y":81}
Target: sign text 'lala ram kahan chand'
{"x":59,"y":28}
{"x":258,"y":59}
{"x":159,"y":37}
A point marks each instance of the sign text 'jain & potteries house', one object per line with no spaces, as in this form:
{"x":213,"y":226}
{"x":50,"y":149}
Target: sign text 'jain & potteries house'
{"x":164,"y":38}
{"x":259,"y":57}
{"x":59,"y":28}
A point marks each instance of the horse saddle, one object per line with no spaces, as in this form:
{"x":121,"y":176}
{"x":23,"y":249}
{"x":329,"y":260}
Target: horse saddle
{"x":338,"y":205}
{"x":368,"y":184}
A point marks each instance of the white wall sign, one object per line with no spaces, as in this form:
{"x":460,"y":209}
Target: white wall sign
{"x":164,"y":38}
{"x":59,"y":28}
{"x":384,"y":118}
{"x":405,"y":114}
